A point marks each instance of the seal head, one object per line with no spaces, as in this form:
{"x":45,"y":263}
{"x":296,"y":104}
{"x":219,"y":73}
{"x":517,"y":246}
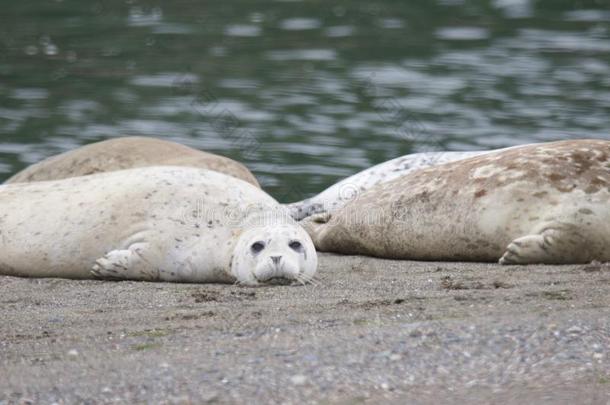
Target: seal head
{"x":274,"y":254}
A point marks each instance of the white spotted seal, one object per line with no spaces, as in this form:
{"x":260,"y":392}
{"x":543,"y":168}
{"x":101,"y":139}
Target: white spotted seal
{"x":128,"y":153}
{"x":539,"y":203}
{"x":337,"y":195}
{"x":157,"y":223}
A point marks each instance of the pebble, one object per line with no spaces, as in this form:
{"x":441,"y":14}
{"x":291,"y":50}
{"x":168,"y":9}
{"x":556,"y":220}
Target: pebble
{"x":298,"y":379}
{"x":574,"y":330}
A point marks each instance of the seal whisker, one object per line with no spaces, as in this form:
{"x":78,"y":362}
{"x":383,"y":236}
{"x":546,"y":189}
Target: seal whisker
{"x":304,"y":280}
{"x":317,"y":281}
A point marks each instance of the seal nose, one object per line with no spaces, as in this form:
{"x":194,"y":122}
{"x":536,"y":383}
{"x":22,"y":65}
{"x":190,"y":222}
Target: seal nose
{"x":276,"y":259}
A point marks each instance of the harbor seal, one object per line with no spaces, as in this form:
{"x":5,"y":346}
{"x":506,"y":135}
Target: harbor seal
{"x":539,"y":203}
{"x":128,"y":153}
{"x":156,"y":223}
{"x":339,"y":194}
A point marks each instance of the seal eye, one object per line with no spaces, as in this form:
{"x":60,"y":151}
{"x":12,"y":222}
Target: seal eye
{"x":296,"y":245}
{"x":257,"y":247}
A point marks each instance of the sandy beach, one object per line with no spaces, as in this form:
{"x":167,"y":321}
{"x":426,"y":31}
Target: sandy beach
{"x":370,"y":330}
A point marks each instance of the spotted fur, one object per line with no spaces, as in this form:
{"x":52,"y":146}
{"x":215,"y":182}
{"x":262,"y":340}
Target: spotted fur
{"x":540,"y":203}
{"x":156,"y":223}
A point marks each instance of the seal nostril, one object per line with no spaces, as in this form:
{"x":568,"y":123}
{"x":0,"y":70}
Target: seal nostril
{"x":276,"y":259}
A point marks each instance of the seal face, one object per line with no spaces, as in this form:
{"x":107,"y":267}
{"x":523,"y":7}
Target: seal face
{"x":277,"y":253}
{"x":128,"y":153}
{"x":339,"y":194}
{"x":540,"y":203}
{"x":156,"y":223}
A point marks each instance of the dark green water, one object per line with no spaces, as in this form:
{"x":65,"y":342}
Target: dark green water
{"x":303,"y":92}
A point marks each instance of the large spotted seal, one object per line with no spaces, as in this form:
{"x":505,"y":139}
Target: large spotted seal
{"x":540,"y":203}
{"x":128,"y":153}
{"x":156,"y":223}
{"x":339,"y":194}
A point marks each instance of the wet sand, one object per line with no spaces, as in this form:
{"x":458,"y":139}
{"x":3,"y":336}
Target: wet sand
{"x":370,"y":330}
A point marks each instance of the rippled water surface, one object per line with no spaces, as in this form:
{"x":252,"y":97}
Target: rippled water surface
{"x":303,"y":92}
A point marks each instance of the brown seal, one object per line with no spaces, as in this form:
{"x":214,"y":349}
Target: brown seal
{"x":128,"y":153}
{"x":539,"y":203}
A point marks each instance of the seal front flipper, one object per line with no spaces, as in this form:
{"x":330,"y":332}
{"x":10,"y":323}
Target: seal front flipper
{"x":127,"y":264}
{"x":553,"y":245}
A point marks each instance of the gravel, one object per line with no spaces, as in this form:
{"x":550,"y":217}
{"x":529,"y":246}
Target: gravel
{"x":370,"y":330}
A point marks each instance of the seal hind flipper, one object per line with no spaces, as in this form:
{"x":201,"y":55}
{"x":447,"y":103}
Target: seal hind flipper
{"x":554,"y":245}
{"x":321,"y":218}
